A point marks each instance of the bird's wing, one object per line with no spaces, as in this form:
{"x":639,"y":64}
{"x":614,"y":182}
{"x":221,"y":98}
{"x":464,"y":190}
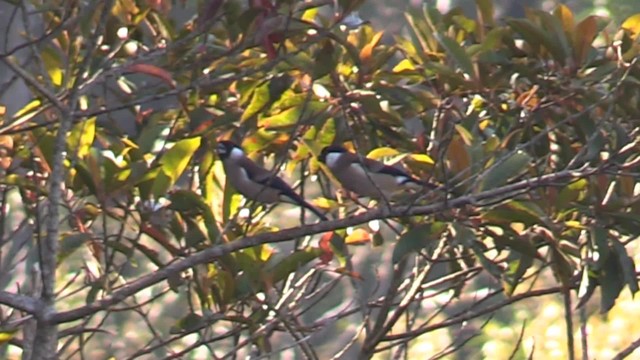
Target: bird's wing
{"x":268,"y":179}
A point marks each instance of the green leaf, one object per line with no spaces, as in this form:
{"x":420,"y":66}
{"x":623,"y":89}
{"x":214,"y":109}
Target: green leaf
{"x":173,"y":163}
{"x":325,"y":61}
{"x":191,"y":204}
{"x":291,"y":264}
{"x":259,"y":100}
{"x":526,"y":212}
{"x":53,"y":64}
{"x":189,"y":323}
{"x":292,"y":116}
{"x":70,"y":243}
{"x":81,"y":137}
{"x":611,"y":283}
{"x":562,"y":266}
{"x":518,"y":263}
{"x":627,"y":265}
{"x":416,"y":239}
{"x":538,"y":38}
{"x":458,"y":54}
{"x":571,"y":193}
{"x":505,"y":170}
{"x":485,"y":9}
{"x":465,"y":236}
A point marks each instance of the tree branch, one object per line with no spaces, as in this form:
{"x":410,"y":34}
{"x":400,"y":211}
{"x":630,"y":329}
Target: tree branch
{"x":21,"y":302}
{"x":218,"y":251}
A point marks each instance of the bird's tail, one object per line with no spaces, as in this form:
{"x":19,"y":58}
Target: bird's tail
{"x":294,"y":198}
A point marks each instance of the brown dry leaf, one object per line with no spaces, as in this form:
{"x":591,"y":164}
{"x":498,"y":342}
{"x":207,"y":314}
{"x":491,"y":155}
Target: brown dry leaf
{"x":153,"y":70}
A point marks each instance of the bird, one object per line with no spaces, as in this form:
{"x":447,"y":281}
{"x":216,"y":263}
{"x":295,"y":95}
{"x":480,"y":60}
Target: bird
{"x":367,"y":177}
{"x":257,"y":183}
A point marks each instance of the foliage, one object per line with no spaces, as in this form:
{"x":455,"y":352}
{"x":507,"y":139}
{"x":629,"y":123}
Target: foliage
{"x":110,"y":182}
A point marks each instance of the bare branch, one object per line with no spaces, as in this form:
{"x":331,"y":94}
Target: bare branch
{"x":20,"y":302}
{"x":218,"y":251}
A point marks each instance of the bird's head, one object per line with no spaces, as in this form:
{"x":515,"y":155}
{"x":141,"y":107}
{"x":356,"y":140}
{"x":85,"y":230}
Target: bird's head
{"x":226,"y":149}
{"x":331,"y":151}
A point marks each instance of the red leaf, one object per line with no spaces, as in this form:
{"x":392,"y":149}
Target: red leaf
{"x":325,"y":246}
{"x":155,"y":71}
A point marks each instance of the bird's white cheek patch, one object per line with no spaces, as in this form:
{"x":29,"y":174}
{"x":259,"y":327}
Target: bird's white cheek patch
{"x":332,"y":160}
{"x":400,"y":180}
{"x":236,"y":154}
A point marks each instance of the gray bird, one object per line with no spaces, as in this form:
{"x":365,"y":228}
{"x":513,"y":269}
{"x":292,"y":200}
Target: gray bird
{"x":256,"y":183}
{"x":367,"y":177}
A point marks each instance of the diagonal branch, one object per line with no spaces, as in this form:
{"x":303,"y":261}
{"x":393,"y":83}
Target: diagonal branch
{"x":20,"y":302}
{"x":220,"y":250}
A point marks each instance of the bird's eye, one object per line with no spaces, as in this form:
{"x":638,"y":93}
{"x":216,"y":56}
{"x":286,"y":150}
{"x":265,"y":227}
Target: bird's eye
{"x":222,"y":149}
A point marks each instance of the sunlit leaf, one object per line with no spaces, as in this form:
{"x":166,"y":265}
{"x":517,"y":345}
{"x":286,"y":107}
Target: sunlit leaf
{"x":82,"y":136}
{"x":293,"y":115}
{"x":259,"y":99}
{"x":367,"y":51}
{"x":359,"y":236}
{"x":6,"y":336}
{"x":173,"y":163}
{"x":632,"y":24}
{"x":382,"y":152}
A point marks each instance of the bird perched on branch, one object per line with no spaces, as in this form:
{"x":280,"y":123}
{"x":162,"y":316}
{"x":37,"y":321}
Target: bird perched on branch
{"x":368,"y":177}
{"x":257,"y":183}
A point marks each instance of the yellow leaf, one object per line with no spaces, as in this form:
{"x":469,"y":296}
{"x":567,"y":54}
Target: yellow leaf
{"x":458,"y":157}
{"x":632,"y":24}
{"x":323,"y":203}
{"x":6,"y":336}
{"x":56,"y":76}
{"x":358,"y":237}
{"x":28,"y":109}
{"x":405,"y":64}
{"x":574,"y":224}
{"x":382,"y":152}
{"x":424,"y":158}
{"x":367,"y":51}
